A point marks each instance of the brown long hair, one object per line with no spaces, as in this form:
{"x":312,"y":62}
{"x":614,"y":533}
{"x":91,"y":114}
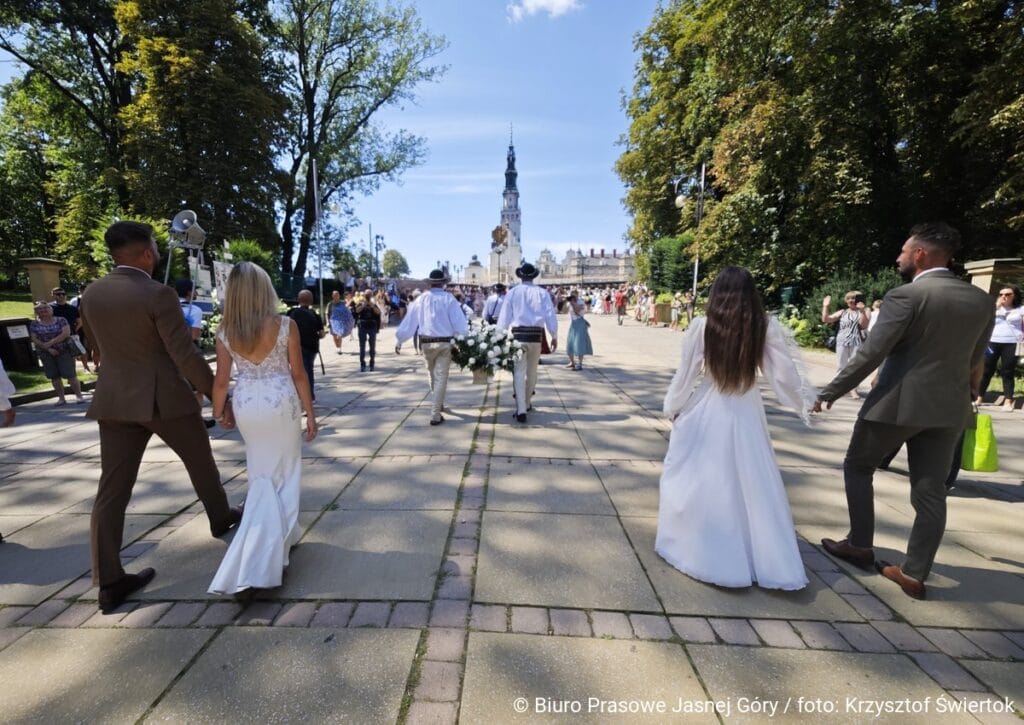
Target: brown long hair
{"x":735,"y":331}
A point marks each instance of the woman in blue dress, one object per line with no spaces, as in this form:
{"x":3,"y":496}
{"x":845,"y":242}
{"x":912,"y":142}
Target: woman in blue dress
{"x":341,"y":319}
{"x":578,"y":342}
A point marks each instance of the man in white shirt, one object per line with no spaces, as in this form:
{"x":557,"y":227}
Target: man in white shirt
{"x":527,"y":310}
{"x":436,"y":317}
{"x":492,"y":308}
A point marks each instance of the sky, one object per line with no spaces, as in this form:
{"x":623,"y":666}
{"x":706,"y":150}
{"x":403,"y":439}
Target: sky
{"x":553,"y":69}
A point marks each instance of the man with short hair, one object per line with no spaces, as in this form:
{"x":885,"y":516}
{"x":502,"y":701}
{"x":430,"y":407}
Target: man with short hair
{"x":492,"y":308}
{"x":930,"y":337}
{"x":311,"y":329}
{"x":527,"y":310}
{"x":147,"y":354}
{"x":437,"y":317}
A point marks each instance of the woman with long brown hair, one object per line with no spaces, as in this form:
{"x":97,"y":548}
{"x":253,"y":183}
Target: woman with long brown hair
{"x":723,"y":516}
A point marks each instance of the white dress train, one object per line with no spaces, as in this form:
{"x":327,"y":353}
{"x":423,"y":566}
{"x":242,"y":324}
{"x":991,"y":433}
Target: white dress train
{"x":268,"y":415}
{"x":723,"y":515}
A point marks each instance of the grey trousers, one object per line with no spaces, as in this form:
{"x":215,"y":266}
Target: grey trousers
{"x":438,"y":356}
{"x":929,"y":454}
{"x":524,"y":376}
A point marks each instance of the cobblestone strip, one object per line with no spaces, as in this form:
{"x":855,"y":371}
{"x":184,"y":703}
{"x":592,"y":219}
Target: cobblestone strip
{"x":434,"y":687}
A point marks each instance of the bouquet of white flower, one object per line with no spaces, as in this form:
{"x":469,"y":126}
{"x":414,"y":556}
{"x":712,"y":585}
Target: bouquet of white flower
{"x":486,"y":348}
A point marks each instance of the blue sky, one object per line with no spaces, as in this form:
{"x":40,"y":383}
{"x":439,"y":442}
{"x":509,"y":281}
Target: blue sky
{"x":555,"y":70}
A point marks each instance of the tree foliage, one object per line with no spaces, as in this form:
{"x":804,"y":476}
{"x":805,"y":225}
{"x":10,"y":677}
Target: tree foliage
{"x":394,"y":264}
{"x":828,"y":129}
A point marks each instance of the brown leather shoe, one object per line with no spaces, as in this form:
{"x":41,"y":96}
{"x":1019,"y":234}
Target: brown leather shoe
{"x":856,"y":555}
{"x":113,"y":595}
{"x":911,"y":587}
{"x":234,"y":518}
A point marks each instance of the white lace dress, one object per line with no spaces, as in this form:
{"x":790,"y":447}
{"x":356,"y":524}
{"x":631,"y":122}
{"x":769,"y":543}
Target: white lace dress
{"x":268,"y":415}
{"x":723,"y":515}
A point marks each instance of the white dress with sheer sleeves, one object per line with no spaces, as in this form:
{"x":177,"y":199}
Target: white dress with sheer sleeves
{"x":723,"y":516}
{"x":268,"y":415}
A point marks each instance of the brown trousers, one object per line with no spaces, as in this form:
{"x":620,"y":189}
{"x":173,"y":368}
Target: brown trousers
{"x":122,"y":445}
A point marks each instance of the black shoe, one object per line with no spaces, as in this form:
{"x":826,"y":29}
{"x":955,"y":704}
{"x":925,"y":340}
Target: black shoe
{"x":362,"y":368}
{"x":521,"y":417}
{"x":234,"y":518}
{"x":439,"y":421}
{"x":113,"y":595}
{"x":371,"y":367}
{"x":209,"y":423}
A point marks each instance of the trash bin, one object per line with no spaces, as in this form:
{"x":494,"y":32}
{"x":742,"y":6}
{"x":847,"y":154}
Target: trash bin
{"x":16,"y":346}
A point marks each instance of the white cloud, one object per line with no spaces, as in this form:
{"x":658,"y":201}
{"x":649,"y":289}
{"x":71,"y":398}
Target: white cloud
{"x":554,"y":8}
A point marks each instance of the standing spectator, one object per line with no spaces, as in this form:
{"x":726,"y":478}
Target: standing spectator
{"x":193,"y":313}
{"x":853,"y":321}
{"x":61,"y":308}
{"x":368,"y":323}
{"x":381,"y":300}
{"x":1002,"y":346}
{"x":6,"y":391}
{"x":493,"y":306}
{"x":86,"y":357}
{"x":620,"y":304}
{"x":50,"y":335}
{"x":688,"y":303}
{"x":311,"y":329}
{"x":677,"y":307}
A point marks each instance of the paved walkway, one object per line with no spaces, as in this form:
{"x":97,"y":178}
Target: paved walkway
{"x":488,"y":572}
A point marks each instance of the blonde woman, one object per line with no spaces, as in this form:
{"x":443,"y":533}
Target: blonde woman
{"x":270,"y":384}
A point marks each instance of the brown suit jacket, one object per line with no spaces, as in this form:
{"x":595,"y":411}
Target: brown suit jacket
{"x":145,"y":350}
{"x":930,"y":333}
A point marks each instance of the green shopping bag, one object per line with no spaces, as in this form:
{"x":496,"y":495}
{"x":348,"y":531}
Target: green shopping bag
{"x":980,"y":446}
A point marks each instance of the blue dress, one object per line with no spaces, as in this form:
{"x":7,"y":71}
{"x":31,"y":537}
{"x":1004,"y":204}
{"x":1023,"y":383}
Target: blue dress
{"x":578,"y":341}
{"x":342,"y":321}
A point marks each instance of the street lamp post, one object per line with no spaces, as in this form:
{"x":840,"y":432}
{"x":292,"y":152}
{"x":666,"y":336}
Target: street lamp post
{"x":680,"y":201}
{"x":378,"y":244}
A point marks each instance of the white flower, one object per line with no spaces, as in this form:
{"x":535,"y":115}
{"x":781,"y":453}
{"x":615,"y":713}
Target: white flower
{"x":460,"y":338}
{"x":483,"y":344}
{"x":492,"y":352}
{"x":471,"y":361}
{"x":471,"y":340}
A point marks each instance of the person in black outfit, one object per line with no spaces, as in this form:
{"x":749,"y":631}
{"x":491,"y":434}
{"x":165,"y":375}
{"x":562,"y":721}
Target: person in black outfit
{"x":311,"y":329}
{"x":368,"y":322}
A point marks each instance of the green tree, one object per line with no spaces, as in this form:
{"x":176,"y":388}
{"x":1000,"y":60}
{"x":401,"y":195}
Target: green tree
{"x":249,"y":250}
{"x":347,"y":60}
{"x":394,"y":264}
{"x":204,"y":119}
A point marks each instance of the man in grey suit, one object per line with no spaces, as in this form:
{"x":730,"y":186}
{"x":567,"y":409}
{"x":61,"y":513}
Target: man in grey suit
{"x":929,"y":338}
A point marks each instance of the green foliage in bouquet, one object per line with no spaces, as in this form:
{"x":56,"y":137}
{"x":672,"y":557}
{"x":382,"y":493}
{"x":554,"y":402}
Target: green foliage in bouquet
{"x":486,"y":347}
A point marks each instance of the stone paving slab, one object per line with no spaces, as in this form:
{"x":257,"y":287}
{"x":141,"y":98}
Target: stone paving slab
{"x":783,"y":676}
{"x":91,"y":675}
{"x":278,"y":674}
{"x":559,"y":486}
{"x":530,"y":439}
{"x":404,"y":484}
{"x":964,"y":590}
{"x":324,"y":479}
{"x":64,"y":485}
{"x":560,"y":560}
{"x":682,"y":594}
{"x":553,"y":671}
{"x":369,"y":555}
{"x":12,"y":524}
{"x":43,"y":558}
{"x":1005,"y":678}
{"x":632,"y":485}
{"x":631,"y":439}
{"x":185,"y":562}
{"x":416,"y":437}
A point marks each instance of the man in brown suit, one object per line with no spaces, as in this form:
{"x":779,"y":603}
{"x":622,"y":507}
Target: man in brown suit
{"x":146,"y":350}
{"x":930,"y":336}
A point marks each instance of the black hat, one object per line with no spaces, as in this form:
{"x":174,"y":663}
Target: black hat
{"x":499,"y":287}
{"x":527,"y":271}
{"x":437,"y":276}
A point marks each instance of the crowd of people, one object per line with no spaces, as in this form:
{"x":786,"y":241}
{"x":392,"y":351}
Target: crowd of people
{"x":723,"y":517}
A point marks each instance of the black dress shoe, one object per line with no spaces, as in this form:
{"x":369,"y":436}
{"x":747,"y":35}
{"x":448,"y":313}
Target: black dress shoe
{"x":439,"y":421}
{"x":234,"y":518}
{"x":521,"y":417}
{"x":856,"y":555}
{"x":209,"y":423}
{"x":113,"y":595}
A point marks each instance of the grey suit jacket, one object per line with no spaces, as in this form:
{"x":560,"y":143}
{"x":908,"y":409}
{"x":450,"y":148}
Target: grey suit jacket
{"x":146,"y":350}
{"x":929,"y":335}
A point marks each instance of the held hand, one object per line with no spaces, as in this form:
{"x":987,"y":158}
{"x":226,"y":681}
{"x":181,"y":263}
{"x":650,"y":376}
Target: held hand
{"x":228,"y":421}
{"x":816,"y":408}
{"x":554,"y":344}
{"x":311,"y":428}
{"x":398,"y":349}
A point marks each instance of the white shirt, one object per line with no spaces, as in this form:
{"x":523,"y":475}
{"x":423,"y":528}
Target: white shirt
{"x":493,"y":306}
{"x":436,"y":313}
{"x":1009,"y":325}
{"x":527,"y":305}
{"x":193,"y":314}
{"x":923,"y":272}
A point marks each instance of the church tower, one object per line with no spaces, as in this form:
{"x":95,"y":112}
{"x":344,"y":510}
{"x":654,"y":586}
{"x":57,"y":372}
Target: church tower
{"x":511,"y":220}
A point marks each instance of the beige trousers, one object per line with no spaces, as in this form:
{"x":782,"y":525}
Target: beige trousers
{"x":524,"y":376}
{"x":438,"y":356}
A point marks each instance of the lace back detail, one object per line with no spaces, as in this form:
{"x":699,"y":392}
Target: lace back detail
{"x":275,"y":364}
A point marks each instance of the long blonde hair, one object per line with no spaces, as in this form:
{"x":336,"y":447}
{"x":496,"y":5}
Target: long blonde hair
{"x":249,"y":301}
